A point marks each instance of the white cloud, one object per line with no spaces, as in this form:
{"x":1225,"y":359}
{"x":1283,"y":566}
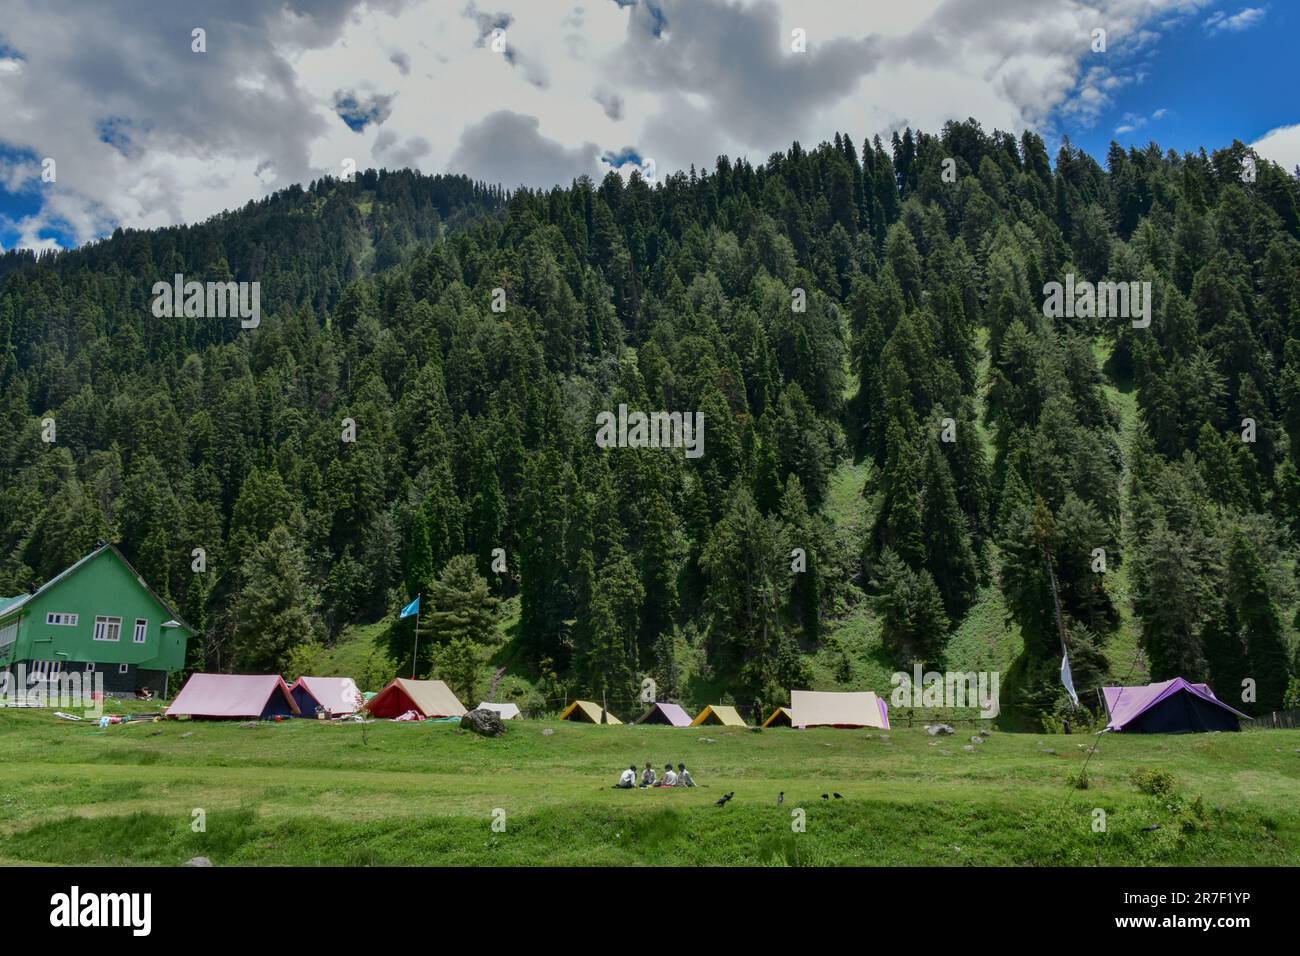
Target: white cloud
{"x":1247,"y":17}
{"x":1281,"y":145}
{"x":1131,"y":122}
{"x":147,"y":133}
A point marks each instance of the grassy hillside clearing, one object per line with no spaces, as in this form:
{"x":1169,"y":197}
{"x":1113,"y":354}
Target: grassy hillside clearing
{"x":301,"y":792}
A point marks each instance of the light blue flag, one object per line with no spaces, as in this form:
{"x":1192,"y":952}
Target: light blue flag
{"x":1067,"y":680}
{"x":412,"y":608}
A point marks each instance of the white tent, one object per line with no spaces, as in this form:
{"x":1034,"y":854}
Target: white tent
{"x":811,"y":708}
{"x":336,"y":696}
{"x":504,"y":711}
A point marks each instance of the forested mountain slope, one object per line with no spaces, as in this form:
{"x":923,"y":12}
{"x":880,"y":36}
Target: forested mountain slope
{"x":837,"y":312}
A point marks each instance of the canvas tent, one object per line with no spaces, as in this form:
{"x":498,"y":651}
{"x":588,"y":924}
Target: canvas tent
{"x":234,"y":695}
{"x":428,"y":698}
{"x":1172,"y":707}
{"x":334,"y":696}
{"x":719,"y":714}
{"x":671,"y":714}
{"x":584,"y":711}
{"x":812,"y":708}
{"x":780,"y":718}
{"x":504,"y":711}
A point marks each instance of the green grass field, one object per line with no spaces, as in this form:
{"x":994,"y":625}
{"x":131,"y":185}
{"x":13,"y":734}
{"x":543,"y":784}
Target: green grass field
{"x":303,"y":792}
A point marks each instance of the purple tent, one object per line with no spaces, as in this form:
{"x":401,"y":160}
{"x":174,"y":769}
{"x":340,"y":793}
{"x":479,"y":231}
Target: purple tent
{"x":665,"y":714}
{"x":1173,"y":707}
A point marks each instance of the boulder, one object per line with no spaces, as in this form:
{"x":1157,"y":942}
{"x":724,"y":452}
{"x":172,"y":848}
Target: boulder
{"x":484,"y":722}
{"x":197,"y":861}
{"x":934,"y":729}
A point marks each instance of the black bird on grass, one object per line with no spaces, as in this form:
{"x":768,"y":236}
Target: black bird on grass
{"x":725,"y":798}
{"x":836,"y":795}
{"x":780,"y":798}
{"x":826,"y":796}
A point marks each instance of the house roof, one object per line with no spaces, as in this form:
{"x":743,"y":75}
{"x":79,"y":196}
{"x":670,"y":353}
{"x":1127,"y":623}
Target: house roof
{"x":8,"y":605}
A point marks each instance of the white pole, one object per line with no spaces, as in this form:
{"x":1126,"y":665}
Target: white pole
{"x":415,"y":655}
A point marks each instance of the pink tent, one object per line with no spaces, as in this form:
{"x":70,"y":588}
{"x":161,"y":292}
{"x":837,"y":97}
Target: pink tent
{"x":335,"y":696}
{"x":1171,"y":707}
{"x":666,"y":714}
{"x":234,"y":695}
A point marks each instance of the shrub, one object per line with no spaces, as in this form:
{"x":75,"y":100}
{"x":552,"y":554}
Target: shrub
{"x":1157,"y":783}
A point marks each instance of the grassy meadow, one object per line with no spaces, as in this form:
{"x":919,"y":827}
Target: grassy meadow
{"x":309,"y":793}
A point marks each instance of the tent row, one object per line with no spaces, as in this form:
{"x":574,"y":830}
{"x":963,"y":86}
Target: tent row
{"x":671,"y":715}
{"x":807,"y":709}
{"x":1174,"y":706}
{"x":267,"y":697}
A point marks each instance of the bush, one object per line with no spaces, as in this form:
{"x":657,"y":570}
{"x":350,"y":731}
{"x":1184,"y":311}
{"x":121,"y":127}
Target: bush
{"x":1157,"y":783}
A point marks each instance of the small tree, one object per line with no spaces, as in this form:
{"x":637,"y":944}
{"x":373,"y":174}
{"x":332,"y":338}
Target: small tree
{"x":460,"y":604}
{"x":457,"y":665}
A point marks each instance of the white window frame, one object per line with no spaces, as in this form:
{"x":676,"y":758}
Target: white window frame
{"x":113,"y":624}
{"x":141,"y":633}
{"x":47,"y":670}
{"x":61,"y":619}
{"x":8,"y":634}
{"x":124,"y":668}
{"x":90,"y":667}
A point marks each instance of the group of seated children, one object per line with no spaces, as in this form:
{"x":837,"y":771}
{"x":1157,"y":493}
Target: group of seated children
{"x":681,"y":778}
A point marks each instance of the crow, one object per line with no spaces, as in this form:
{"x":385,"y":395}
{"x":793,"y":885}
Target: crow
{"x":836,"y":795}
{"x":780,"y":798}
{"x":825,"y":796}
{"x":720,"y":803}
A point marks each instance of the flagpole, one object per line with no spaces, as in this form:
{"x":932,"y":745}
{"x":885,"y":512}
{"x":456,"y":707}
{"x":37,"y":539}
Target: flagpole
{"x":1060,"y":624}
{"x":415,"y":655}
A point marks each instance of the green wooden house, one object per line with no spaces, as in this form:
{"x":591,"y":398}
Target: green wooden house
{"x":98,"y":616}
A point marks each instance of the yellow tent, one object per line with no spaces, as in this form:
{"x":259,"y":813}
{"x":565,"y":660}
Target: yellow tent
{"x":584,"y":711}
{"x":781,"y":717}
{"x":719,"y":714}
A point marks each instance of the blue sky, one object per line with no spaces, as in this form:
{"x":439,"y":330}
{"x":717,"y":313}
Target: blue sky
{"x":1206,"y":87}
{"x":146,"y":131}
